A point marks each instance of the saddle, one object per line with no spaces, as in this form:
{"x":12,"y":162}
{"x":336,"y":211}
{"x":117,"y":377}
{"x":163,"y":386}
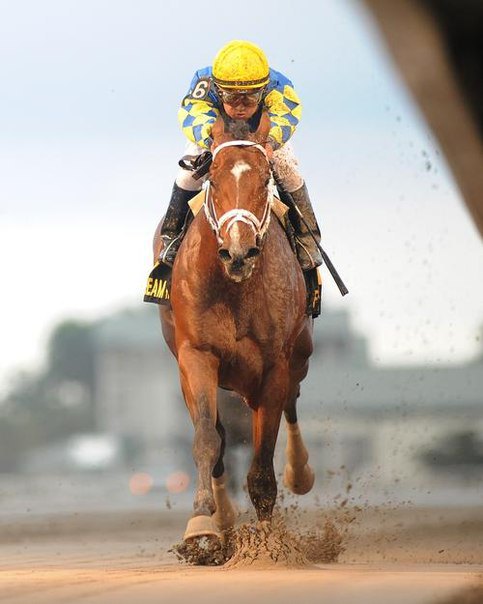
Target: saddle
{"x":159,"y":281}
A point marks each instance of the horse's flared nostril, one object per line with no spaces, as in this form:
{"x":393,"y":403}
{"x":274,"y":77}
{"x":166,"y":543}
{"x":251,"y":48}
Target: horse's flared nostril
{"x":253,"y":252}
{"x":224,"y":255}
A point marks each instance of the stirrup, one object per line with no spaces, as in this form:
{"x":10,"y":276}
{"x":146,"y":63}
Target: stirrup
{"x":308,"y":258}
{"x":168,"y":253}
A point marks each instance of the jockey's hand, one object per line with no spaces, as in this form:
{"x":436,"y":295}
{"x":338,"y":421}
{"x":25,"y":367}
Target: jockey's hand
{"x":269,"y":150}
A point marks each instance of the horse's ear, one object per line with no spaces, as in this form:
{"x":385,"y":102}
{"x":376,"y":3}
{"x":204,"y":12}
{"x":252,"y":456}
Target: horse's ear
{"x":261,"y":135}
{"x":218,"y":129}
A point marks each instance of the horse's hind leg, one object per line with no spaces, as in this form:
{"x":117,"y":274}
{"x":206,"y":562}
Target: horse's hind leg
{"x":198,"y":372}
{"x":224,"y":516}
{"x":298,"y":476}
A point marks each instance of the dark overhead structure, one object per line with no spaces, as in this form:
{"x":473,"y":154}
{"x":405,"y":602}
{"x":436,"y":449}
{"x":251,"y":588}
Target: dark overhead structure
{"x":438,"y":47}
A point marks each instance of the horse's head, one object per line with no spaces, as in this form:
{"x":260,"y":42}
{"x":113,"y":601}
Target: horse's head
{"x":239,"y":199}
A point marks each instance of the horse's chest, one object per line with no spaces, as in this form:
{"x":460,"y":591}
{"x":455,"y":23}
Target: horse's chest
{"x":244,"y":326}
{"x":250,"y":320}
{"x":245,"y":322}
{"x":245,"y":352}
{"x":242,"y":335}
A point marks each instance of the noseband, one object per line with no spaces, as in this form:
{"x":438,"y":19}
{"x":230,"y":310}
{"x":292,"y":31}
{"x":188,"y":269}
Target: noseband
{"x":231,"y":217}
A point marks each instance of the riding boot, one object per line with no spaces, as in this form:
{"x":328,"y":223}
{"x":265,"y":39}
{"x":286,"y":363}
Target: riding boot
{"x":172,"y":229}
{"x":308,"y":253}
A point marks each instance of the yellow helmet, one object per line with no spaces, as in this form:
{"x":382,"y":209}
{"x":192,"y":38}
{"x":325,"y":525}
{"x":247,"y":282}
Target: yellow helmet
{"x":241,"y":64}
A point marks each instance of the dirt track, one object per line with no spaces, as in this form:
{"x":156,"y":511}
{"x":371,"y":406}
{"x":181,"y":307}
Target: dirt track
{"x":398,"y":556}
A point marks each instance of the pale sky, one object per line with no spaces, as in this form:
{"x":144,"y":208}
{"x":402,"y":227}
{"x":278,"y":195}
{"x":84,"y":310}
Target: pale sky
{"x":89,"y":148}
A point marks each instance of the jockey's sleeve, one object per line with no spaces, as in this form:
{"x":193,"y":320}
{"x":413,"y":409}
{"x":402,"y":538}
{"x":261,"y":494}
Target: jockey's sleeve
{"x":284,"y":110}
{"x":198,"y":111}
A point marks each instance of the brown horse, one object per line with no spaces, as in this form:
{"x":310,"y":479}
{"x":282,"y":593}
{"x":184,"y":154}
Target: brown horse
{"x":238,"y":321}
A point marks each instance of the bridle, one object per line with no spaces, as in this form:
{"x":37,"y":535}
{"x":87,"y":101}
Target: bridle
{"x":231,"y":217}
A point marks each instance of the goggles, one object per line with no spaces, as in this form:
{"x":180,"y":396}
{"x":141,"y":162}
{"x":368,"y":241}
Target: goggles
{"x":248,"y":98}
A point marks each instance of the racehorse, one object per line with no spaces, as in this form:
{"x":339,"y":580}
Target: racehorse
{"x":238,"y":321}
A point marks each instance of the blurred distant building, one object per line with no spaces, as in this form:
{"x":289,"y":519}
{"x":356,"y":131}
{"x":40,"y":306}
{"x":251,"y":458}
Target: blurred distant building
{"x":412,"y":430}
{"x":138,"y":396}
{"x":389,"y":427}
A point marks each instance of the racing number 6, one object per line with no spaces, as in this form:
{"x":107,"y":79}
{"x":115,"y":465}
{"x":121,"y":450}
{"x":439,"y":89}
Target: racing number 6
{"x":201,"y":89}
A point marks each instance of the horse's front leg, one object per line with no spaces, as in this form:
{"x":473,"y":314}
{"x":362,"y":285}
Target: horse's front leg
{"x":262,"y":484}
{"x":199,"y":381}
{"x":224,"y":516}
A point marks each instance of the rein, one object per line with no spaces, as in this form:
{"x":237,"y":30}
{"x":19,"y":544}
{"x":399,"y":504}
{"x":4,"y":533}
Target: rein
{"x":231,"y":217}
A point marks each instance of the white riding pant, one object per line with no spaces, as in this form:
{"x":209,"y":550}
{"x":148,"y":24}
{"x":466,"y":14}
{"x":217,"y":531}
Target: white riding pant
{"x":284,"y":162}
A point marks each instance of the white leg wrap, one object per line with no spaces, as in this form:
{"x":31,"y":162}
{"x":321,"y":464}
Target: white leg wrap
{"x":298,"y":475}
{"x":225,"y":515}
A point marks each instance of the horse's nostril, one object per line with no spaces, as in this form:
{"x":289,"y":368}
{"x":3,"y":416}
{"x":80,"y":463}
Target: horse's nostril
{"x":224,"y":255}
{"x":253,"y":252}
{"x":237,"y":263}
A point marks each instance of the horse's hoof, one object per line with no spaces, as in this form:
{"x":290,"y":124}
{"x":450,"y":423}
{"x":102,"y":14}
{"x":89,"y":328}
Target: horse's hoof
{"x":200,"y":526}
{"x":299,"y":481}
{"x":202,"y":544}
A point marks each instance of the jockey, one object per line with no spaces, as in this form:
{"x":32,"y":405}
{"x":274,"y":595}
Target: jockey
{"x":241,"y":85}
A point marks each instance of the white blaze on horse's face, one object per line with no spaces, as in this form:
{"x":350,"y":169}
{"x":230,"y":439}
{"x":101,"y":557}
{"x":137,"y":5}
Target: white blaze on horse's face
{"x":238,"y":169}
{"x":235,"y":238}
